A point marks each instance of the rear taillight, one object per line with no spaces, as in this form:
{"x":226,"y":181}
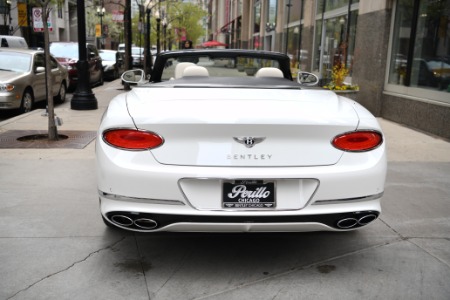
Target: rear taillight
{"x":131,"y":139}
{"x":358,"y":141}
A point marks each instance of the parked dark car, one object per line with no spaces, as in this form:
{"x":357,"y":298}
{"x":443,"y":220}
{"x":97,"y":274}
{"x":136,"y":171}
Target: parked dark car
{"x":113,"y":64}
{"x":67,"y":55}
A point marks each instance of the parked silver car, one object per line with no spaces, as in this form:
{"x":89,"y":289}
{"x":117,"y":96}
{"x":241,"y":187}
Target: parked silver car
{"x":22,"y":79}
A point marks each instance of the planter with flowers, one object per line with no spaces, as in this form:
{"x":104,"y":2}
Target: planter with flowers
{"x":240,"y":64}
{"x":250,"y":68}
{"x":337,"y":83}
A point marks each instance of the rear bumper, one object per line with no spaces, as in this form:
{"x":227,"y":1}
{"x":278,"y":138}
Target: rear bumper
{"x":142,"y":217}
{"x":188,"y":198}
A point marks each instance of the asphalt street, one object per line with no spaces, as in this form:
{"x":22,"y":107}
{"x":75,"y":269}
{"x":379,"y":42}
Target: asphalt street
{"x":54,"y":245}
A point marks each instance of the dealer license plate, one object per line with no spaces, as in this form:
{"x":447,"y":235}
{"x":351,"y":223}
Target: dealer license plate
{"x":248,"y":194}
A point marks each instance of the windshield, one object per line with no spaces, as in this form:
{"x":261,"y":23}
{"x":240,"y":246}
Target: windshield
{"x":108,"y":56}
{"x":137,"y":51}
{"x":64,"y":50}
{"x":17,"y":62}
{"x":220,"y":67}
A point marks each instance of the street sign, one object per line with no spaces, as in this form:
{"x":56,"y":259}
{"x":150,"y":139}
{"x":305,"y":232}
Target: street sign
{"x":117,"y":16}
{"x":22,"y":14}
{"x":38,"y":24}
{"x":98,"y":30}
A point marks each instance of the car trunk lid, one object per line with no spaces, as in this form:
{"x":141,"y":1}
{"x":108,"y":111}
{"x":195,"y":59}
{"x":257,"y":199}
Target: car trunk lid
{"x":243,"y":127}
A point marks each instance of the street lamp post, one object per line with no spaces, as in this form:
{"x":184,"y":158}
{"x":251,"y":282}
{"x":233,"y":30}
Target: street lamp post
{"x":147,"y":57}
{"x":287,"y":24}
{"x":7,"y":15}
{"x":158,"y":29}
{"x":164,"y":22}
{"x":169,"y":26}
{"x":270,"y":26}
{"x":100,"y":13}
{"x":149,"y":4}
{"x":83,"y":97}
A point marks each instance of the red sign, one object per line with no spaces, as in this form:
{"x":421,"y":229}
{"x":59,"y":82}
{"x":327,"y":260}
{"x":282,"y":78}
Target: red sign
{"x":38,"y":24}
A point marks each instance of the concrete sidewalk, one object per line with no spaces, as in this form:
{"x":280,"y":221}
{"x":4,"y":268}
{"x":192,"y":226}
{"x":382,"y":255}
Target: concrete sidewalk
{"x":54,"y":245}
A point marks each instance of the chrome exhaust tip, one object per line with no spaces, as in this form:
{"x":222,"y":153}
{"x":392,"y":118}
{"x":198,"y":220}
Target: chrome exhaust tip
{"x":367,"y":219}
{"x":347,"y":223}
{"x":122,"y":220}
{"x":144,"y":223}
{"x":356,"y":220}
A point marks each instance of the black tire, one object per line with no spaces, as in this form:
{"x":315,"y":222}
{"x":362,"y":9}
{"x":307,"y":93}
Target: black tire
{"x":61,"y":97}
{"x":27,"y":103}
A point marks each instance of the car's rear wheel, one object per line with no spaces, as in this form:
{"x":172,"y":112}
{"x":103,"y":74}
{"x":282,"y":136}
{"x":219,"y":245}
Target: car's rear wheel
{"x":61,"y":97}
{"x":27,"y":101}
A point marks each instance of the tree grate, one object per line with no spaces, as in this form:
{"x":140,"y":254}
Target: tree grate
{"x":38,"y":139}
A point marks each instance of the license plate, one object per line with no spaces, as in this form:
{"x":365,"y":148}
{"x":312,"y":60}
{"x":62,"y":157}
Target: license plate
{"x":248,"y":194}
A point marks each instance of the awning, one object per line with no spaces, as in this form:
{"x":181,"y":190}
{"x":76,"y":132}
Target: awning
{"x":224,"y":28}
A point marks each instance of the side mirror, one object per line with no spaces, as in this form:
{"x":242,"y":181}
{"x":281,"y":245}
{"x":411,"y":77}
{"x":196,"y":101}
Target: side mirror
{"x":307,"y":79}
{"x":40,"y":70}
{"x":134,"y":76}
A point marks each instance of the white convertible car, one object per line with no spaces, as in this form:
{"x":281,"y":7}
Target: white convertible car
{"x":226,"y":141}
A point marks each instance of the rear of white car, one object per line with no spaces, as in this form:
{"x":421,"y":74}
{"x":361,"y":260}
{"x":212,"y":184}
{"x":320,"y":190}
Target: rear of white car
{"x":230,"y":159}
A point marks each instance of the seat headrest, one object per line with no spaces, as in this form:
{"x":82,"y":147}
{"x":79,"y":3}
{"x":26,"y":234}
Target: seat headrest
{"x":269,"y":72}
{"x":195,"y":71}
{"x":179,"y":69}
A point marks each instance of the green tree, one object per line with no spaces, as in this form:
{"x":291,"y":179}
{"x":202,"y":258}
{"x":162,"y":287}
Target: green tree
{"x":115,"y":29}
{"x":179,"y":16}
{"x":186,"y":17}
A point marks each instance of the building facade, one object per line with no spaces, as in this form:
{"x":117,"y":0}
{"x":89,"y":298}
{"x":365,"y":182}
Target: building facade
{"x":398,"y":52}
{"x":17,"y":18}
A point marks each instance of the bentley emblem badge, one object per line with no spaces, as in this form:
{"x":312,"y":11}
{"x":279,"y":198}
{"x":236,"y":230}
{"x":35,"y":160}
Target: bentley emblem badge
{"x":249,"y":141}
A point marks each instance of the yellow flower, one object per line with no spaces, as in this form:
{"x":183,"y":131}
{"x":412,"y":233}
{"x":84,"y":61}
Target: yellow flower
{"x":338,"y":74}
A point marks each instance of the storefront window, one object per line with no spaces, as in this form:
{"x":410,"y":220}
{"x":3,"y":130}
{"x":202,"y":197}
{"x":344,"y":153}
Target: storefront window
{"x":257,"y":16}
{"x":420,"y":54}
{"x":333,"y":4}
{"x":272,"y":13}
{"x":293,"y":45}
{"x":337,"y":44}
{"x":294,"y":9}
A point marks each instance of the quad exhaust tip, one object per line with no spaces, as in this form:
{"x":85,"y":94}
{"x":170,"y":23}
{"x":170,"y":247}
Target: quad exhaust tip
{"x":122,"y":220}
{"x":140,"y":223}
{"x":146,"y":222}
{"x":353,"y":222}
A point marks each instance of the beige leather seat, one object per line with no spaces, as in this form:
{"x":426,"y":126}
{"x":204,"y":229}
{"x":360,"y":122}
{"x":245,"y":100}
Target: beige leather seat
{"x":179,"y":69}
{"x":269,"y":72}
{"x":195,"y":71}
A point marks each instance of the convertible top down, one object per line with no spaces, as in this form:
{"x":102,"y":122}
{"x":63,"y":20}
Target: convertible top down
{"x":207,"y":146}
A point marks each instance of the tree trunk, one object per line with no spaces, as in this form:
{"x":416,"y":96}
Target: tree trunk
{"x":52,"y":129}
